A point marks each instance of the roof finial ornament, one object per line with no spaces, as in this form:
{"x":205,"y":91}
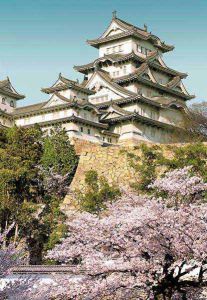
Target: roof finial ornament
{"x":114,"y":14}
{"x":145,"y":27}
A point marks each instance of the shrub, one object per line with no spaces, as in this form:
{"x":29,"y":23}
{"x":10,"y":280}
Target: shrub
{"x":98,"y":191}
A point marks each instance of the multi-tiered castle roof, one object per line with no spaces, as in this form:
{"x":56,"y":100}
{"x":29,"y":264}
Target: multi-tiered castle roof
{"x":128,"y":92}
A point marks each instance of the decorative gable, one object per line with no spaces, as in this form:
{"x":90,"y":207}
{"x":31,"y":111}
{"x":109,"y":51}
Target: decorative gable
{"x":54,"y":101}
{"x":147,"y":74}
{"x":106,"y":90}
{"x":114,"y":111}
{"x":113,"y":28}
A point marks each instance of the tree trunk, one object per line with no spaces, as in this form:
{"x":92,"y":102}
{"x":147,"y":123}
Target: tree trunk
{"x":16,"y":234}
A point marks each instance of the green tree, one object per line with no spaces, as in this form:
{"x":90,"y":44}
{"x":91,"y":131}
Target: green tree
{"x":25,"y":196}
{"x":145,"y":165}
{"x":58,"y":153}
{"x":98,"y":192}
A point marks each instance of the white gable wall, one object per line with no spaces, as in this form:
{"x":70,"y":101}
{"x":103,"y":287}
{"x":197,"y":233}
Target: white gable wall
{"x":8,"y":102}
{"x":103,"y":95}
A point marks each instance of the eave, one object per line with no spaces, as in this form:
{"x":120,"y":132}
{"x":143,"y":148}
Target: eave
{"x":12,"y":95}
{"x":84,"y":69}
{"x":137,"y":77}
{"x":131,"y":33}
{"x":42,"y":110}
{"x":142,"y":119}
{"x":7,"y":89}
{"x":68,"y":120}
{"x":66,"y":84}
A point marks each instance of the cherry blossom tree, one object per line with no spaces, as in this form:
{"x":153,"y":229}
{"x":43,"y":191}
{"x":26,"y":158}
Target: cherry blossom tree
{"x":180,"y":186}
{"x":138,"y":249}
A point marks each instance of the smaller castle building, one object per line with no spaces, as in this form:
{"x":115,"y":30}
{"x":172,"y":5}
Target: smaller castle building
{"x":127,"y":94}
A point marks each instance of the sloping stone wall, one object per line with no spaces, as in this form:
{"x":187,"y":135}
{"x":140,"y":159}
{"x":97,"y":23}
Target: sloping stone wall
{"x":111,"y":162}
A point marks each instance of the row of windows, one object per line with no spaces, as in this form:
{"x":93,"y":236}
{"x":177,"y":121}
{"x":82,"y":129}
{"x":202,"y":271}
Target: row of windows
{"x":88,"y":131}
{"x":3,"y":101}
{"x":143,"y":50}
{"x":108,"y":139}
{"x":123,"y":71}
{"x":114,"y":49}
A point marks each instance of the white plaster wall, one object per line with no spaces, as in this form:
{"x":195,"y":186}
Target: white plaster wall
{"x":88,"y":115}
{"x":103,"y":95}
{"x":141,"y":132}
{"x":172,"y":116}
{"x":127,"y":46}
{"x":132,"y":87}
{"x":5,"y":121}
{"x":145,"y":44}
{"x":144,"y":110}
{"x":7,"y":107}
{"x":161,"y":77}
{"x":118,"y":70}
{"x":48,"y":116}
{"x":70,"y":94}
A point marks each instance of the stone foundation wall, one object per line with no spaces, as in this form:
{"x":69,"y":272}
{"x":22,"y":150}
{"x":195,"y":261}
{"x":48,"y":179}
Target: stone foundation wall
{"x":111,"y":162}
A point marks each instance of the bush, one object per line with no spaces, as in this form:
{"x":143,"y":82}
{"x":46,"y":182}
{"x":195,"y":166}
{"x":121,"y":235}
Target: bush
{"x":146,"y":165}
{"x":98,"y":192}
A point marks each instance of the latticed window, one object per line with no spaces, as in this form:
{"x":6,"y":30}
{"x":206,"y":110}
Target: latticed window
{"x":3,"y":100}
{"x":12,"y":103}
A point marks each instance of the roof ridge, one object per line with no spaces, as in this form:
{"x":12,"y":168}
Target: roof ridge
{"x":130,"y":25}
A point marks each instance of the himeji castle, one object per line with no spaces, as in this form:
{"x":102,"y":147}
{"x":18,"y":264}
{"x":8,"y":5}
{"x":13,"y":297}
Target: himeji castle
{"x":127,"y":94}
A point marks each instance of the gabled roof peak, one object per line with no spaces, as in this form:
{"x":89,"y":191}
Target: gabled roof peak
{"x":127,"y":29}
{"x":7,"y":89}
{"x":64,"y":83}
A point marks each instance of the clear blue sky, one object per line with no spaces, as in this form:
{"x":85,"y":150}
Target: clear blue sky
{"x":40,"y":38}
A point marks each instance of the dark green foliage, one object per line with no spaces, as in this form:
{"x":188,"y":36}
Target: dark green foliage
{"x":58,"y":153}
{"x":98,"y":192}
{"x":194,"y":154}
{"x":146,"y":165}
{"x":26,"y":155}
{"x":151,"y":158}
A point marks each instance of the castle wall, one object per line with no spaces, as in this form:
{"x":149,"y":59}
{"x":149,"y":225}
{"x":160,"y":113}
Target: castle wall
{"x":111,"y":162}
{"x":172,"y":116}
{"x":123,"y":46}
{"x":7,"y":104}
{"x":134,"y":132}
{"x":7,"y":122}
